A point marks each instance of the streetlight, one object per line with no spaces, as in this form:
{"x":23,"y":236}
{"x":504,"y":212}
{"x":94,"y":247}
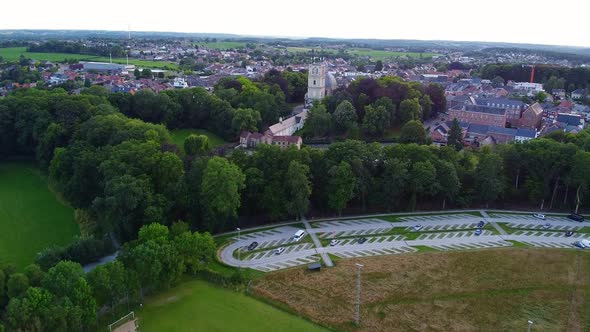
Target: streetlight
{"x":530,"y":324}
{"x":358,"y":294}
{"x":239,"y":243}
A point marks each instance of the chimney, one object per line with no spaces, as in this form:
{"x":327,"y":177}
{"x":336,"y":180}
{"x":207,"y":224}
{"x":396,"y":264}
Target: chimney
{"x":281,"y":120}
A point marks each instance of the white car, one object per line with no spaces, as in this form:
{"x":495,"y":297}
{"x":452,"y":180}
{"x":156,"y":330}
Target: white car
{"x":417,"y":227}
{"x":279,"y":251}
{"x":334,"y":242}
{"x":539,"y":216}
{"x":546,"y":226}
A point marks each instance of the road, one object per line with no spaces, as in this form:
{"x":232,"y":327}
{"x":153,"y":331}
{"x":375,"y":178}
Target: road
{"x":440,"y":232}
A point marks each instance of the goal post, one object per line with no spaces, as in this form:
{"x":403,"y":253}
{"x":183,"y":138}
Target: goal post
{"x":127,"y":323}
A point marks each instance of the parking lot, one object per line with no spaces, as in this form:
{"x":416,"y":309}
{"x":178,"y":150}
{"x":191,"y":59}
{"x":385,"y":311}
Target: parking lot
{"x":406,"y":235}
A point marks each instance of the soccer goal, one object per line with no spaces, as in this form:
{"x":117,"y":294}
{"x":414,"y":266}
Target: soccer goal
{"x":127,"y":323}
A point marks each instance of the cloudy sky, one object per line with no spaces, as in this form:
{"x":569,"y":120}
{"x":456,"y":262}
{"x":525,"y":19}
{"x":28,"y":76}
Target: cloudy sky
{"x":562,"y":22}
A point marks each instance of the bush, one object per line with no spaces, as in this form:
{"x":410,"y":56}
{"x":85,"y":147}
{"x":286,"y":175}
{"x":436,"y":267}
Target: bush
{"x":82,"y":250}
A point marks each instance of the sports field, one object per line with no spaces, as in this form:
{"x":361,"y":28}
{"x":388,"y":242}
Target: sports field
{"x":179,"y":135}
{"x":13,"y":53}
{"x":199,"y":306}
{"x":31,"y":217}
{"x":486,"y":290}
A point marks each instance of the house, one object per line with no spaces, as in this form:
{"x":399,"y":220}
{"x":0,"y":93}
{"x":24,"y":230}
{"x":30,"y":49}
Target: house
{"x":532,"y":117}
{"x":524,"y":134}
{"x":288,"y":126}
{"x":440,"y":134}
{"x":559,"y":93}
{"x":578,"y":94}
{"x":251,"y":140}
{"x":570,"y":119}
{"x":286,"y":141}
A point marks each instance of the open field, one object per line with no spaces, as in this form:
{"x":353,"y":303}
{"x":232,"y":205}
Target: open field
{"x":223,"y":45}
{"x":487,"y":290}
{"x":13,"y":53}
{"x":199,"y":306}
{"x":31,"y":217}
{"x":382,"y":55}
{"x":179,"y":135}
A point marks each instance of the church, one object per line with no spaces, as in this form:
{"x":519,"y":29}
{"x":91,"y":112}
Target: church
{"x":320,"y":83}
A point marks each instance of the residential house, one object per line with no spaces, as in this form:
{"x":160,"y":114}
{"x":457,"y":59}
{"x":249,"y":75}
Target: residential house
{"x":578,"y":94}
{"x":524,"y":134}
{"x":559,"y":93}
{"x":532,"y":117}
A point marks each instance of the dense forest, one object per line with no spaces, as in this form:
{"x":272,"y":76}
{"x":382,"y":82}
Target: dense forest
{"x":127,"y":180}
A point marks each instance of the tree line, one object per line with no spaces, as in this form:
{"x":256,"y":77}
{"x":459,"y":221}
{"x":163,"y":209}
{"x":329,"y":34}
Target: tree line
{"x":70,"y":47}
{"x":62,"y":297}
{"x":574,"y":78}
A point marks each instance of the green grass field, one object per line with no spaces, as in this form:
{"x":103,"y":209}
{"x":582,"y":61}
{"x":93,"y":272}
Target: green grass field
{"x":199,"y":306}
{"x":223,"y":45}
{"x":13,"y":53}
{"x":382,"y":55}
{"x":179,"y":135}
{"x":31,"y":217}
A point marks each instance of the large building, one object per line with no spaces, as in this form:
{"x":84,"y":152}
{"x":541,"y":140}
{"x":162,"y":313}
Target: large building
{"x":532,"y":117}
{"x":105,"y":67}
{"x":320,"y":83}
{"x":513,"y":108}
{"x":479,"y":114}
{"x":288,"y":126}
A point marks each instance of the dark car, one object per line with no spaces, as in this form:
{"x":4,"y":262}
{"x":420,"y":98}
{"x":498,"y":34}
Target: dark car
{"x":576,"y":217}
{"x":569,"y":233}
{"x":481,"y":224}
{"x":362,"y":240}
{"x":253,"y":245}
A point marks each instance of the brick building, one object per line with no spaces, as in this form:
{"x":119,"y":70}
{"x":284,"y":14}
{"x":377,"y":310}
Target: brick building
{"x":532,"y":117}
{"x":479,"y":114}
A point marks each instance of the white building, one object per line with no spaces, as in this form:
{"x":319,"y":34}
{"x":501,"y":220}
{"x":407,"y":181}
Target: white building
{"x":289,"y":126}
{"x":320,"y":83}
{"x":108,"y":67}
{"x":531,"y":89}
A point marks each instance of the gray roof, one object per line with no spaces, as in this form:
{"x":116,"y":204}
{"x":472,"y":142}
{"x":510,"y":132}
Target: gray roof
{"x":569,"y":119}
{"x":523,"y":132}
{"x":511,"y":102}
{"x":485,"y":109}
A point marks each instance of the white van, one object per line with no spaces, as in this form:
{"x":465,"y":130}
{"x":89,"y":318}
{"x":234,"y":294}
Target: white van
{"x":298,"y":235}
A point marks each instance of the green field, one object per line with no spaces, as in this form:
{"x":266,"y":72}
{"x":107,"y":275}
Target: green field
{"x":179,"y":135}
{"x":223,"y":45}
{"x":31,"y":217}
{"x":199,"y":306}
{"x":382,"y":55}
{"x":13,"y":53}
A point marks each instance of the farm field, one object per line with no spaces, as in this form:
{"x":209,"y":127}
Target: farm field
{"x":199,"y":306}
{"x":223,"y":45}
{"x":31,"y":217}
{"x":374,"y":54}
{"x":486,"y":290}
{"x":13,"y":53}
{"x":179,"y":135}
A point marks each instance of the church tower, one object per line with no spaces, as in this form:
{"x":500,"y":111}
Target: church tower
{"x":316,"y":82}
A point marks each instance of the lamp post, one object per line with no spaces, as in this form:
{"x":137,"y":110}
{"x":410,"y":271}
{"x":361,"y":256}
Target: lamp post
{"x":530,"y":324}
{"x":358,"y":294}
{"x":239,"y":247}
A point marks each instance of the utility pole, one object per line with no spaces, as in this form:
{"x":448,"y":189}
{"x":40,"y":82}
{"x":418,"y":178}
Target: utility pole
{"x":357,"y":313}
{"x":530,"y":324}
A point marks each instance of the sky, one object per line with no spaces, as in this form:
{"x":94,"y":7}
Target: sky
{"x":522,"y":21}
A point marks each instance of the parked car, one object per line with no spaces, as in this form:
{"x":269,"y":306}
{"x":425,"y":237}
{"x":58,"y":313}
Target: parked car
{"x":579,"y":245}
{"x":279,"y":251}
{"x":417,"y":227}
{"x":334,"y":242}
{"x":253,"y":245}
{"x":481,"y":224}
{"x":300,"y":234}
{"x":569,"y":233}
{"x":478,"y":231}
{"x":546,"y":226}
{"x":539,"y":216}
{"x":362,"y":240}
{"x":576,"y":217}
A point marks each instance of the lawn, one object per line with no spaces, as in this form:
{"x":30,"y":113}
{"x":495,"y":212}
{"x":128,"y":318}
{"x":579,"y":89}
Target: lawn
{"x":13,"y":53}
{"x":199,"y":306}
{"x":487,"y":290}
{"x":179,"y":135}
{"x":31,"y":217}
{"x":382,"y":55}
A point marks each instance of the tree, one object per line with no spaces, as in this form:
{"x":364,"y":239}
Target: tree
{"x":423,"y":181}
{"x":345,"y":117}
{"x":581,"y":175}
{"x":488,"y":177}
{"x":455,"y":137}
{"x":386,"y":103}
{"x":341,"y":186}
{"x":146,"y":73}
{"x":196,"y":144}
{"x":34,"y":274}
{"x":449,"y":181}
{"x":541,"y":97}
{"x":245,"y":119}
{"x":319,"y":123}
{"x":36,"y":311}
{"x":137,"y":73}
{"x":395,"y":181}
{"x":413,"y":132}
{"x":196,"y":249}
{"x":298,"y":188}
{"x":498,"y":81}
{"x":17,"y":284}
{"x":410,"y":109}
{"x":220,"y":190}
{"x":375,"y":120}
{"x":379,"y":65}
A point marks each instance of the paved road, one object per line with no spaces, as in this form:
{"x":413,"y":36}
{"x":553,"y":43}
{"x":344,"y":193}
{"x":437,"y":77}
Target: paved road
{"x":441,"y":232}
